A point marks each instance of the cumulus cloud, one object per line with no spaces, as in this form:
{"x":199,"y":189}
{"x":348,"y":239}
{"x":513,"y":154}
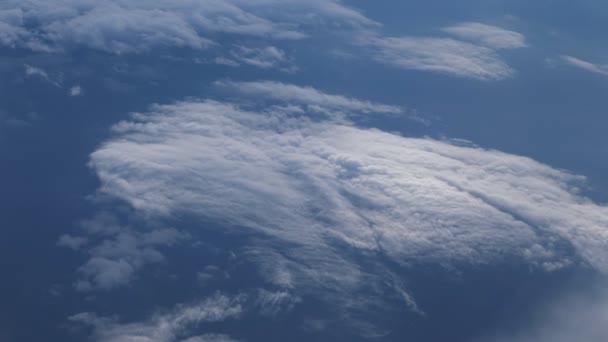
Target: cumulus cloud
{"x":585,"y":65}
{"x":174,"y":326}
{"x":487,"y":35}
{"x":317,"y":188}
{"x":442,"y":55}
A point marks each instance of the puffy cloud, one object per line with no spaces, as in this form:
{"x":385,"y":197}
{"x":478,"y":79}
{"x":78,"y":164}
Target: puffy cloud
{"x":319,"y":187}
{"x":585,"y":65}
{"x":167,"y":327}
{"x":442,"y":55}
{"x":488,"y":35}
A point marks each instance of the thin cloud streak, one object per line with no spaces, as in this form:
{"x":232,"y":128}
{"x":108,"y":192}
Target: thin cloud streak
{"x":487,"y":35}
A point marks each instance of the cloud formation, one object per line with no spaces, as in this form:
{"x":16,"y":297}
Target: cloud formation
{"x":315,"y":185}
{"x":487,"y":35}
{"x":442,"y":55}
{"x":310,"y":98}
{"x":121,"y":26}
{"x":117,"y":252}
{"x":173,"y":326}
{"x":124,"y":27}
{"x":585,"y":65}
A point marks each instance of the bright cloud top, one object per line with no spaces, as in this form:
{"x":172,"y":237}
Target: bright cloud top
{"x":317,"y":183}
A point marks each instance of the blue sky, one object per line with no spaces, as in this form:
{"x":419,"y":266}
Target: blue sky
{"x":303,"y":170}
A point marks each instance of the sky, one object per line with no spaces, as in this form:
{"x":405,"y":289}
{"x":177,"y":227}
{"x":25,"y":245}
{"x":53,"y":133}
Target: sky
{"x":303,"y":170}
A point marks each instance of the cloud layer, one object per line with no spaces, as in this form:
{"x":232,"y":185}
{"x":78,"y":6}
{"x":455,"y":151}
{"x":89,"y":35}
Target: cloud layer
{"x":123,"y":26}
{"x":318,"y":184}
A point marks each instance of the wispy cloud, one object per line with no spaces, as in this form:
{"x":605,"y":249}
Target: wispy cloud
{"x":487,"y":35}
{"x":442,"y":55}
{"x":133,"y":27}
{"x":268,"y":57}
{"x":585,"y":65}
{"x":311,"y":97}
{"x":169,"y":327}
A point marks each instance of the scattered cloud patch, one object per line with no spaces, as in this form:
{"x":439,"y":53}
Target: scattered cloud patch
{"x":116,"y":252}
{"x":311,"y":98}
{"x":75,"y":91}
{"x":174,"y":326}
{"x":442,"y":55}
{"x":122,"y":27}
{"x":487,"y":35}
{"x":268,"y":57}
{"x":585,"y":65}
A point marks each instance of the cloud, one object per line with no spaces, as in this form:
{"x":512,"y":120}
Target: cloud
{"x":167,"y":327}
{"x":41,"y":74}
{"x":75,"y":91}
{"x":268,"y":57}
{"x":120,"y":27}
{"x":325,"y":195}
{"x":487,"y":35}
{"x":585,"y":65}
{"x":118,"y":251}
{"x":442,"y":55}
{"x":308,"y":96}
{"x":31,"y":71}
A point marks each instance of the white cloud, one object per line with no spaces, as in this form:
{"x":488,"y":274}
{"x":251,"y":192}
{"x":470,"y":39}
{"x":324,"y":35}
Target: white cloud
{"x":75,"y":91}
{"x":442,"y":55}
{"x":308,"y":96}
{"x":168,"y":327}
{"x":487,"y":35}
{"x":312,"y":186}
{"x":268,"y":57}
{"x":121,"y":26}
{"x":118,"y":252}
{"x":585,"y":65}
{"x":39,"y":73}
{"x":31,"y":71}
